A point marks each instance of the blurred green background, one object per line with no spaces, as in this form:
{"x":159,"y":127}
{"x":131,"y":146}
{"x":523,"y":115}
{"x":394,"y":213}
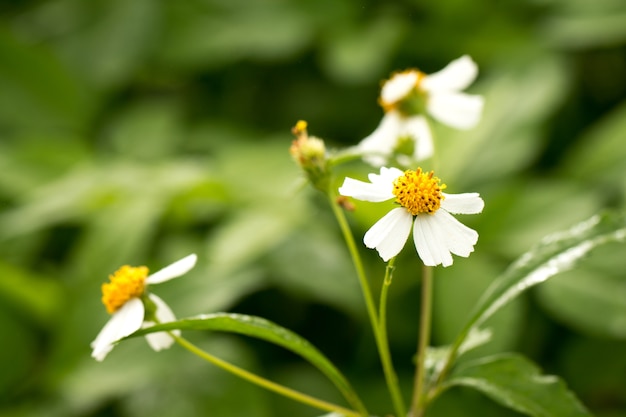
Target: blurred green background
{"x":137,"y":132}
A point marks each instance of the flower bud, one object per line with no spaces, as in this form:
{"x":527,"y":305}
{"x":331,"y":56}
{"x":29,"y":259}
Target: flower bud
{"x":310,"y":153}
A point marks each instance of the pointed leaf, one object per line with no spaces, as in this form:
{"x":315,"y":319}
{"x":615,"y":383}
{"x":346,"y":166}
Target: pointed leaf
{"x":263,"y":329}
{"x":556,"y":253}
{"x":517,"y":383}
{"x":436,"y":357}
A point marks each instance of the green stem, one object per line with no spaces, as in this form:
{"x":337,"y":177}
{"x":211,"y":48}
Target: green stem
{"x":262,"y":382}
{"x":419,"y":399}
{"x":356,"y":260}
{"x":349,"y":155}
{"x":392,"y":378}
{"x":453,"y":353}
{"x":439,"y":387}
{"x":380,"y":337}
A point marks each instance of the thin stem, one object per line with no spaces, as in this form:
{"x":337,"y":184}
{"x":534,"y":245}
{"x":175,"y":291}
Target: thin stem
{"x":349,"y":155}
{"x":381,"y":339}
{"x":356,"y":260}
{"x":262,"y":382}
{"x":392,"y":378}
{"x":454,"y":350}
{"x":418,"y":401}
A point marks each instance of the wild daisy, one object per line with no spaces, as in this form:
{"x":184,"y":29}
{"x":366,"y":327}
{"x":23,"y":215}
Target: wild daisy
{"x":410,"y":95}
{"x":424,"y":207}
{"x":131,"y":306}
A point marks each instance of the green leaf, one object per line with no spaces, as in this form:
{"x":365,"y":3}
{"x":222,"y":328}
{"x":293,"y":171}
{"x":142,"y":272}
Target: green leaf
{"x":357,"y":53}
{"x":517,"y":383}
{"x":109,"y":41}
{"x":213,"y":37}
{"x":599,"y":286}
{"x":580,"y":24}
{"x":598,"y":379}
{"x":454,"y":297}
{"x":555,"y":253}
{"x":471,"y":158}
{"x":263,"y":329}
{"x":37,"y":90}
{"x":599,"y":155}
{"x":16,"y":291}
{"x":436,"y":356}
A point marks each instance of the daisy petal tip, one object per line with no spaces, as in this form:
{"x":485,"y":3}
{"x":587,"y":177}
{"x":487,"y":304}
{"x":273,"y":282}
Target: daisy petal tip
{"x":188,"y":262}
{"x":100,"y":352}
{"x":385,"y":256}
{"x":446,"y":264}
{"x":159,"y":341}
{"x":382,"y":247}
{"x":175,"y":270}
{"x":468,"y":61}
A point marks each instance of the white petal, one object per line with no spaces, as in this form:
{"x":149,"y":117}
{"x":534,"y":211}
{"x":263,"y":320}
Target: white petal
{"x":174,"y":270}
{"x":164,"y":314}
{"x":389,"y":234}
{"x":456,"y":76}
{"x":398,"y":86}
{"x":462,"y":111}
{"x":386,"y":177}
{"x":457,"y":238}
{"x":467,"y":203}
{"x":429,"y":243}
{"x":439,"y":235}
{"x":380,"y":143}
{"x":380,"y":187}
{"x":417,"y":128}
{"x":364,"y":191}
{"x":122,"y":323}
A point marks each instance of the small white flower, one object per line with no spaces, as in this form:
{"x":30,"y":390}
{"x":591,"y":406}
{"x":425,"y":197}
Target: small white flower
{"x":122,"y":297}
{"x":393,"y":128}
{"x":424,"y":208}
{"x":409,"y":95}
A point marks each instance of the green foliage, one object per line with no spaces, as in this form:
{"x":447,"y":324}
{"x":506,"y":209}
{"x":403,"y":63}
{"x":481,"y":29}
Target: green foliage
{"x":598,"y":286}
{"x":556,"y":253}
{"x":516,"y":383}
{"x":136,"y":132}
{"x":263,"y":329}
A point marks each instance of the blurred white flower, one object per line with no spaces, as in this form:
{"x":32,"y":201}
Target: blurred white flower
{"x":424,"y":208}
{"x":124,"y":298}
{"x":408,"y":96}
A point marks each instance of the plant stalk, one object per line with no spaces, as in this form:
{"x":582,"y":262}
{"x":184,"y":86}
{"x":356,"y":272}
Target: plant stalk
{"x":418,"y":403}
{"x":392,"y":378}
{"x":265,"y":383}
{"x":380,"y":336}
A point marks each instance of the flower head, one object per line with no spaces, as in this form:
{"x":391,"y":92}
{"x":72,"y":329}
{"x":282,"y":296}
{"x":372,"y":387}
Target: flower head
{"x":408,"y":96}
{"x":424,"y":208}
{"x":126,"y":298}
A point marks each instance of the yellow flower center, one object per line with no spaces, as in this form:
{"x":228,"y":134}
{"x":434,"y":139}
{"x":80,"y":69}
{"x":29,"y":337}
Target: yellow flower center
{"x":403,"y":92}
{"x":126,"y":283}
{"x":418,"y":192}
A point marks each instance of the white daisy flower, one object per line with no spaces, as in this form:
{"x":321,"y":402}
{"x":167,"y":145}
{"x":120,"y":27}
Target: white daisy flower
{"x":124,"y":298}
{"x":424,"y":207}
{"x":410,"y":95}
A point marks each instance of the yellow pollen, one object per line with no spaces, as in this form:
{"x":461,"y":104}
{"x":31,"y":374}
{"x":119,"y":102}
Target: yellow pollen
{"x":126,"y":283}
{"x":418,"y":192}
{"x":300,"y":128}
